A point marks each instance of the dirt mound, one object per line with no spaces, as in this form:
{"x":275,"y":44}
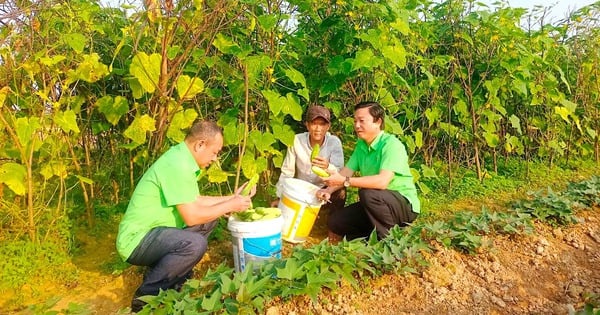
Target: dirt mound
{"x":550,"y":272}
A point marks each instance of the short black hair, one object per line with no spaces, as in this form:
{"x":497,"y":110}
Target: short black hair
{"x":204,"y":130}
{"x":375,"y":110}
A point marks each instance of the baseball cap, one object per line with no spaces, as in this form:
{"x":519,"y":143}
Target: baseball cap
{"x":317,"y":111}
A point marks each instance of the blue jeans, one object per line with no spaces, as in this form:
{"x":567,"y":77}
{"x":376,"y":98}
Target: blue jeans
{"x":171,"y":254}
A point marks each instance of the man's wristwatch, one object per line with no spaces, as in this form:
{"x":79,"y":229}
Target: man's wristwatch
{"x":347,"y":182}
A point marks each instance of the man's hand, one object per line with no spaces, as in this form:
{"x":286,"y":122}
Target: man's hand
{"x":252,"y":191}
{"x":239,"y":203}
{"x":323,"y":194}
{"x":334,"y":179}
{"x":320,"y":162}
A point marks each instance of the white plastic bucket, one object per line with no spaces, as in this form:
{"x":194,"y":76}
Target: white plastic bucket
{"x":299,"y":207}
{"x":255,"y":242}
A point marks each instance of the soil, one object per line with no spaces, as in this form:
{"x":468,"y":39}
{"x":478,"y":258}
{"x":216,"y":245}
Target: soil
{"x":552,"y":271}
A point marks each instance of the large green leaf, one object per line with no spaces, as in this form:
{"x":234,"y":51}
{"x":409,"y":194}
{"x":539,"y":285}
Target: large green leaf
{"x":268,"y":21}
{"x":225,"y":45}
{"x":492,"y":139}
{"x":13,"y":175}
{"x":113,"y":109}
{"x":146,"y":69}
{"x":89,"y":70}
{"x":66,"y":120}
{"x":252,"y":165}
{"x":255,"y":66}
{"x":289,"y":104}
{"x":26,"y":127}
{"x":262,"y":140}
{"x":365,"y":59}
{"x":296,"y":76}
{"x":396,"y":54}
{"x":188,"y":87}
{"x":75,"y":41}
{"x":139,"y":128}
{"x":216,"y":174}
{"x":181,"y":120}
{"x":283,"y":132}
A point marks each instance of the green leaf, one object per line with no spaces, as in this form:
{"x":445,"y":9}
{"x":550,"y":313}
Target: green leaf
{"x":216,"y":174}
{"x":226,"y":45}
{"x":428,"y":172}
{"x":212,"y":303}
{"x":26,"y":127}
{"x":75,"y":41}
{"x":516,"y":123}
{"x":262,"y":141}
{"x":13,"y":175}
{"x":291,"y":270}
{"x":296,"y":76}
{"x":366,"y":59}
{"x":146,"y":69}
{"x":373,"y":36}
{"x":418,"y":138}
{"x":89,"y":70}
{"x":290,"y":104}
{"x":52,"y":61}
{"x":138,"y":129}
{"x":563,"y":112}
{"x":113,"y":110}
{"x":188,"y":87}
{"x":492,"y":139}
{"x":401,"y":24}
{"x":283,"y":132}
{"x":255,"y":65}
{"x":66,"y":120}
{"x":267,"y":21}
{"x":274,"y":100}
{"x":396,"y":54}
{"x":181,"y":121}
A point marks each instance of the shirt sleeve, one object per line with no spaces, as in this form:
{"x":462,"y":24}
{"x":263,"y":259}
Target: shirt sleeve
{"x":394,"y":157}
{"x":336,"y":161}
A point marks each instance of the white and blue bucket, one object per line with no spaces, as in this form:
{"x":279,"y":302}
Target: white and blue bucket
{"x":256,"y":242}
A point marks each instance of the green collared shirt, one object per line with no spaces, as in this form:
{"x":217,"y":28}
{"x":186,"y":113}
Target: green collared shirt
{"x":386,"y":152}
{"x":170,"y":181}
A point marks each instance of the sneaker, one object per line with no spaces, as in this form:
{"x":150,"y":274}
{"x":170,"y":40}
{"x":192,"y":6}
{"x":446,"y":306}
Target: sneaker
{"x":137,"y":304}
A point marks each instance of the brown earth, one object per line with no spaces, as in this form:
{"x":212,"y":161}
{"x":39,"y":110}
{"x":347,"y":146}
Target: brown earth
{"x":550,"y":272}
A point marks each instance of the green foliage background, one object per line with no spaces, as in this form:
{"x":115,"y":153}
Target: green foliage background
{"x":90,"y":96}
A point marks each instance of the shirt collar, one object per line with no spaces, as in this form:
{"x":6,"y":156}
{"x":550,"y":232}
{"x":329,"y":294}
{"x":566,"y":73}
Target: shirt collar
{"x":376,"y":142}
{"x":188,"y":160}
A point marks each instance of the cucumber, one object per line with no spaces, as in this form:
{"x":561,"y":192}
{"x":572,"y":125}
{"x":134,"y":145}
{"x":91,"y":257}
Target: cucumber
{"x":315,"y":151}
{"x":257,"y":214}
{"x":319,"y":171}
{"x":251,"y":183}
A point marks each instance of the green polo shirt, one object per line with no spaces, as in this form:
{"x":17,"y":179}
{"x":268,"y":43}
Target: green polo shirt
{"x":170,"y":181}
{"x":386,"y":152}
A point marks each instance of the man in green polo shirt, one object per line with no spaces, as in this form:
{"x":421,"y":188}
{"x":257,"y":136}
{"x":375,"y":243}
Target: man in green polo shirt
{"x":387,"y":194}
{"x":167,"y":222}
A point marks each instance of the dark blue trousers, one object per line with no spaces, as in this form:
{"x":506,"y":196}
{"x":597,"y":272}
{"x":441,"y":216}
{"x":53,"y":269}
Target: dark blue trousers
{"x":378,"y":209}
{"x":170,"y":255}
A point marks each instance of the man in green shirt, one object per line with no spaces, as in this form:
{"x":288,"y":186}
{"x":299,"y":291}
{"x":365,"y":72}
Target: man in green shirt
{"x":387,"y":194}
{"x":167,"y":222}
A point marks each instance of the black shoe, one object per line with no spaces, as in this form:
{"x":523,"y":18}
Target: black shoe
{"x":137,"y":304}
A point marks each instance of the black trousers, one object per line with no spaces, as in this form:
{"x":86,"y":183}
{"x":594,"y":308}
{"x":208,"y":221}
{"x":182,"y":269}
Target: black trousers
{"x":377,"y":209}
